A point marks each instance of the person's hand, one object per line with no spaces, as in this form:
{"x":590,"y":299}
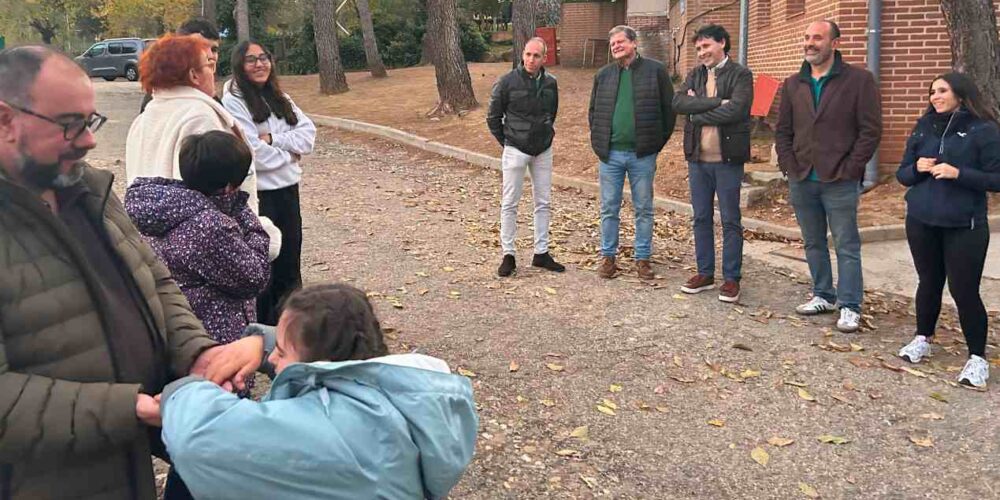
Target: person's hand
{"x":266,"y":138}
{"x":296,"y":156}
{"x":691,"y":92}
{"x":236,"y":361}
{"x":925,"y":164}
{"x":944,"y":171}
{"x":147,"y":409}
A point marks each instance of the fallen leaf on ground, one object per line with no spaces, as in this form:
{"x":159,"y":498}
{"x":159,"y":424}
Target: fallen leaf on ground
{"x":422,"y":274}
{"x":662,"y":409}
{"x":827,"y":438}
{"x":760,"y":456}
{"x":932,"y":416}
{"x":514,"y":366}
{"x":795,"y":383}
{"x":567,"y":453}
{"x":615,"y":388}
{"x":605,"y":410}
{"x":610,"y":404}
{"x":589,"y":481}
{"x":923,"y":442}
{"x":856,"y":347}
{"x":748,"y":373}
{"x":742,"y":347}
{"x":582,"y":433}
{"x":805,"y":395}
{"x":554,"y":367}
{"x":677,"y":361}
{"x":467,"y":373}
{"x":937,"y":396}
{"x":448,"y":269}
{"x":642,"y":406}
{"x":678,"y":296}
{"x":423,"y":291}
{"x":682,"y":379}
{"x":717,"y":422}
{"x":808,"y":491}
{"x":547,"y":402}
{"x":780,"y":441}
{"x":911,"y":371}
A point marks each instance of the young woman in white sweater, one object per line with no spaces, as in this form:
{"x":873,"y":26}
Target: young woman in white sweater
{"x":280,"y":135}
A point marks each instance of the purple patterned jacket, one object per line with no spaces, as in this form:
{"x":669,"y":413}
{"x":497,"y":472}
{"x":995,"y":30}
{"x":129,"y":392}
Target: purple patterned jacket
{"x":214,"y":246}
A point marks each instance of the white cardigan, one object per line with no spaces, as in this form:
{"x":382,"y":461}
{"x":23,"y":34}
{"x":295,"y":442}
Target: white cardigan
{"x":276,"y":168}
{"x":154,"y":141}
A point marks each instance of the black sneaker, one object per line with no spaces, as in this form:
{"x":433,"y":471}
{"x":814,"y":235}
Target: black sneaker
{"x":507,"y":266}
{"x":544,"y":260}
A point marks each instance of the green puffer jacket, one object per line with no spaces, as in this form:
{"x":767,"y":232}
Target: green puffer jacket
{"x":68,"y":430}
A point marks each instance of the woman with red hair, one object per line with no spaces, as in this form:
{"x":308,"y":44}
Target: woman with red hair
{"x":179,"y":71}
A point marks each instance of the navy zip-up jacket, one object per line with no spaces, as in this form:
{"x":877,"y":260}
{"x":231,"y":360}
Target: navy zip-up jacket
{"x":968,"y":143}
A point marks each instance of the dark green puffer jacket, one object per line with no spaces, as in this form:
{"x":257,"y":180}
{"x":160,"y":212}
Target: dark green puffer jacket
{"x":68,"y":430}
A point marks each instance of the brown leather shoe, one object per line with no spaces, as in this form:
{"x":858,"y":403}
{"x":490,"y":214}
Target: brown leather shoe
{"x":698,"y":283}
{"x":607,"y":269}
{"x":645,"y":270}
{"x":729,"y":291}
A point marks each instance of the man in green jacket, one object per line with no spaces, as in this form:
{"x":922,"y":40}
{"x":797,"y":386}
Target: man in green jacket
{"x":91,"y":324}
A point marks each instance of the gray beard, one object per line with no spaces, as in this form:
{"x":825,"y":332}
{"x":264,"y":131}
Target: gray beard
{"x":44,"y":176}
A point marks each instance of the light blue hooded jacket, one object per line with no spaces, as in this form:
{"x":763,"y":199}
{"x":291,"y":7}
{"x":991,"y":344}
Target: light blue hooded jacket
{"x":393,"y":427}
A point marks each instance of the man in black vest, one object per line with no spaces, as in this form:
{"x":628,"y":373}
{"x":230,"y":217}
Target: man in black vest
{"x":631,"y":120}
{"x":522,"y":111}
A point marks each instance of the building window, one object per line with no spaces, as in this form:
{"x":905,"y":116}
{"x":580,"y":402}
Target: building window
{"x":795,"y":7}
{"x":763,"y":16}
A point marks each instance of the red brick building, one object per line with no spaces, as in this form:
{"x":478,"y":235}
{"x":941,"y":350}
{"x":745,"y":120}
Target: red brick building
{"x":915,"y":45}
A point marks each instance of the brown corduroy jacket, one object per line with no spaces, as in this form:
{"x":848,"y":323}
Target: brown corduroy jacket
{"x":838,"y":137}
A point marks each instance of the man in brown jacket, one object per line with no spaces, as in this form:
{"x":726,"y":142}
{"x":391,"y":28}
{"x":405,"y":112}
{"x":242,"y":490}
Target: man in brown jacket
{"x":91,"y":324}
{"x":829,"y":125}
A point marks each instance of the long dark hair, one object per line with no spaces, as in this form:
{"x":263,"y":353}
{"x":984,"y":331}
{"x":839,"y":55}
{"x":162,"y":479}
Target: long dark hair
{"x":968,"y":95}
{"x":334,"y":322}
{"x":262,"y":101}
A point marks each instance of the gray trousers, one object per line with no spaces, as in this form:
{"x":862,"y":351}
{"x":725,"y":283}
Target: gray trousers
{"x":515,"y":164}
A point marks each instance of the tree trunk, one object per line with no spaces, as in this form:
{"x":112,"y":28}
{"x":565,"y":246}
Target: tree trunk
{"x":242,"y":16}
{"x":45,"y":29}
{"x":453,"y":81}
{"x":372,"y":56}
{"x":331,"y":70}
{"x":208,"y":10}
{"x":523,"y":20}
{"x":972,"y":25}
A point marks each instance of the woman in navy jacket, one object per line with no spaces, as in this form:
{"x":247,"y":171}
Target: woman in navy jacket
{"x":952,"y":159}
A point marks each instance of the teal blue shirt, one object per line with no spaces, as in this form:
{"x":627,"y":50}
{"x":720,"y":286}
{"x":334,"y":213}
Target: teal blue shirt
{"x":817,"y":89}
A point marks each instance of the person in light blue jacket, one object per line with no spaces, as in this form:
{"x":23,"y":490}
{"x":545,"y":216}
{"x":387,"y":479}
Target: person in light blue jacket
{"x":343,"y":419}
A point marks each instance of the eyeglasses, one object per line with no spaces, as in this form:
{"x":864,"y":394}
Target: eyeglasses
{"x":72,"y":129}
{"x":263,"y":58}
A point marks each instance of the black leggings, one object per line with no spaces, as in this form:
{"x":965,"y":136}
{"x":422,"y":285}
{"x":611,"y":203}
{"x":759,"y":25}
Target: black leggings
{"x":958,"y":254}
{"x":282,"y":207}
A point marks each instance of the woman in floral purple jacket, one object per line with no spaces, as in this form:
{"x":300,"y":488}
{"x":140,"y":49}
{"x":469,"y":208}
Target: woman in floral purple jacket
{"x":202,"y":228}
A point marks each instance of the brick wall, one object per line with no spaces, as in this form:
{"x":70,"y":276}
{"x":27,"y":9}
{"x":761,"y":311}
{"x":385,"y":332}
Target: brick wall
{"x":581,"y":21}
{"x":728,"y":16}
{"x":653,"y":35}
{"x":915,"y":48}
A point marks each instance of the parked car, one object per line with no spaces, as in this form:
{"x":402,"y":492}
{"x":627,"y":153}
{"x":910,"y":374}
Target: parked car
{"x":113,"y":58}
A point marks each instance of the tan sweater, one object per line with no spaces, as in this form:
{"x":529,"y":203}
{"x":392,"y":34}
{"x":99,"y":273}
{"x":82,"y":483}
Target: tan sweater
{"x":711,"y":145}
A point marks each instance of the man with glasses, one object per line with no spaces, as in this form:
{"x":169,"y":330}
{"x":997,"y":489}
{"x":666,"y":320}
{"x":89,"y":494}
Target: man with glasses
{"x":91,"y":324}
{"x":195,"y":26}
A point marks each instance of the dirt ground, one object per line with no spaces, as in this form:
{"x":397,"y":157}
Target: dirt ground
{"x":402,"y":100}
{"x":691,"y":389}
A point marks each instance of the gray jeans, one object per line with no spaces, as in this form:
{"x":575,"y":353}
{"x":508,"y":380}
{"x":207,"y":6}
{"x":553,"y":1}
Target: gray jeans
{"x":515,"y":164}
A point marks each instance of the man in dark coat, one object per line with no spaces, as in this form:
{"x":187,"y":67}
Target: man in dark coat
{"x":829,"y":126}
{"x":91,"y":324}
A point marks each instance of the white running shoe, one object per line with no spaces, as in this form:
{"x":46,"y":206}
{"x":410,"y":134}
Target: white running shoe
{"x":975,"y":373}
{"x":849,"y":319}
{"x":816,"y":305}
{"x":916,"y":350}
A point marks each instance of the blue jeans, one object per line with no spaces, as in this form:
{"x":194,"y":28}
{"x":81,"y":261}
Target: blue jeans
{"x":819,"y":205}
{"x":705,"y":180}
{"x":640,"y":173}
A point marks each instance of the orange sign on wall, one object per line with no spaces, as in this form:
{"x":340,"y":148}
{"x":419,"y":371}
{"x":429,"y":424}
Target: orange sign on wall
{"x":764,"y":90}
{"x":549,"y":35}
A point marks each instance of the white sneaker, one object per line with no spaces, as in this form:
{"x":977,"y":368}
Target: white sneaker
{"x":975,"y":373}
{"x":848,"y":322}
{"x":816,"y":305}
{"x":917,"y":349}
